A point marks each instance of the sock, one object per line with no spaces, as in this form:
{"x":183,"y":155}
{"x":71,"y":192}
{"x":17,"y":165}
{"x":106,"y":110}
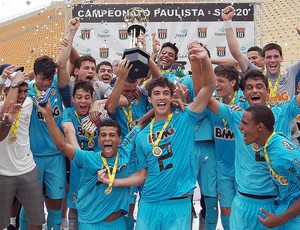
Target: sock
{"x":211,"y":218}
{"x":225,"y":222}
{"x":54,"y":219}
{"x":23,"y":220}
{"x":129,"y":221}
{"x":13,"y":221}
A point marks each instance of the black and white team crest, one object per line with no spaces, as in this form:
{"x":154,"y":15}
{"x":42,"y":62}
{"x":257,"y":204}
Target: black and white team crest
{"x":123,"y":34}
{"x":287,"y":145}
{"x":221,"y":51}
{"x":162,"y":33}
{"x":85,"y":34}
{"x":240,"y":32}
{"x":202,"y":32}
{"x":103,"y":52}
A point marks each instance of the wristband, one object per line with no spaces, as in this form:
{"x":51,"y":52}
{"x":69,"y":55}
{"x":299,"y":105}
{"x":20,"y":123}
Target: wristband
{"x":228,"y":24}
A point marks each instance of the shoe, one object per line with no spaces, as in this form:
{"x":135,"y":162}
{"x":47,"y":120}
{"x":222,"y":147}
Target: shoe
{"x":11,"y":227}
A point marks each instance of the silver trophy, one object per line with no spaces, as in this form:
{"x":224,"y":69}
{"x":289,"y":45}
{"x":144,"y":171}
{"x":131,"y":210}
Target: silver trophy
{"x":136,"y":19}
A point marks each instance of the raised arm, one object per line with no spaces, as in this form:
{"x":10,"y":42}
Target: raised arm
{"x":233,"y":44}
{"x":198,"y":55}
{"x":113,"y":99}
{"x":63,"y":71}
{"x":58,"y":138}
{"x":70,"y":134}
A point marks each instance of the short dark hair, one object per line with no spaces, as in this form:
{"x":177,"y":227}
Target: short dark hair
{"x":44,"y":66}
{"x":86,"y":86}
{"x":162,"y":82}
{"x":229,"y":72}
{"x":255,"y":75}
{"x":257,"y":49}
{"x":262,"y":114}
{"x":172,"y":46}
{"x":83,"y":58}
{"x":111,"y":123}
{"x":103,"y":63}
{"x":272,"y":46}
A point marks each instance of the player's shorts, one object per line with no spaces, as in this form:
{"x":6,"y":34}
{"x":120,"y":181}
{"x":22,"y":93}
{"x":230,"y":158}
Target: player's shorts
{"x":115,"y":225}
{"x":227,"y":188}
{"x":245,"y":211}
{"x":164,"y":215}
{"x":206,"y":167}
{"x":52,"y":175}
{"x":28,"y":191}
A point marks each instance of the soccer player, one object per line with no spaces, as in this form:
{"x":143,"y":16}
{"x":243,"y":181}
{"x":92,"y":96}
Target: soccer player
{"x":165,"y":151}
{"x":282,"y":157}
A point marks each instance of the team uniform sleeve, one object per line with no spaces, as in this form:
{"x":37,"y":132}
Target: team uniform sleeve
{"x":80,"y":157}
{"x":67,"y":116}
{"x":141,"y":157}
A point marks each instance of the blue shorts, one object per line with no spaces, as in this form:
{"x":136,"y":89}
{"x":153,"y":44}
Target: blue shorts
{"x":52,"y":174}
{"x":245,"y":211}
{"x":164,"y":215}
{"x":206,"y":168}
{"x":227,"y":188}
{"x":293,"y":223}
{"x":116,"y":224}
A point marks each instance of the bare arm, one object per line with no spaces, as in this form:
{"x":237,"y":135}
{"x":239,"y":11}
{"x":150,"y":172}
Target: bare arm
{"x":58,"y":138}
{"x":113,"y":99}
{"x":63,"y":72}
{"x":70,"y":134}
{"x":225,"y":61}
{"x":233,"y":44}
{"x":199,"y":55}
{"x":155,"y":73}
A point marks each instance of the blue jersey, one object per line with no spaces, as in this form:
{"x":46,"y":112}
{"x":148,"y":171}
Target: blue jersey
{"x":223,"y":136}
{"x":82,"y":138}
{"x":284,"y":158}
{"x":139,"y":108}
{"x":92,"y":204}
{"x":188,"y":81}
{"x":251,"y":171}
{"x":173,"y":173}
{"x":40,"y":140}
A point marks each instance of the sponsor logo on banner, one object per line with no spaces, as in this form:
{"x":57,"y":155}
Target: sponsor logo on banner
{"x":123,"y":34}
{"x":182,"y":33}
{"x":85,"y":34}
{"x":103,"y":52}
{"x":104,"y":34}
{"x":240,"y":32}
{"x":202,"y":32}
{"x":221,"y":51}
{"x":221,"y":32}
{"x":162,"y":33}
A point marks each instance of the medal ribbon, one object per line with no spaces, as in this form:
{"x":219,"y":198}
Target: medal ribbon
{"x":37,"y":91}
{"x":230,"y":104}
{"x":128,"y":114}
{"x":278,"y":177}
{"x":15,"y":125}
{"x":112,"y":175}
{"x":155,"y":144}
{"x":273,"y":90}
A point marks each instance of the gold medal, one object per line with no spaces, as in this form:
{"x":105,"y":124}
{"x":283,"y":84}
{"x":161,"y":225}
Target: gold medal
{"x":12,"y":138}
{"x":256,"y":147}
{"x":157,"y":151}
{"x":272,"y":101}
{"x":91,"y":143}
{"x":108,"y":190}
{"x":131,"y":125}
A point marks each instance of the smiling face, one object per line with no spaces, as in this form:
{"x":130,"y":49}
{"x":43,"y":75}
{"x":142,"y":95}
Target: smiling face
{"x":82,"y":101}
{"x":166,"y":58}
{"x":43,"y":83}
{"x":86,"y":71}
{"x":109,"y":140}
{"x":224,"y":86}
{"x":128,"y":90}
{"x":256,"y":91}
{"x":249,"y":128}
{"x":255,"y":58}
{"x":272,"y":61}
{"x":105,"y":73}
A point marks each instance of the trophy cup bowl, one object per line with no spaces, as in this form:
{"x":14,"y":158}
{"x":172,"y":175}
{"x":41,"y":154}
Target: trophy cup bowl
{"x":136,"y":20}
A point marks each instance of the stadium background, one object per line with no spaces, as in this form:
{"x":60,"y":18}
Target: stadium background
{"x":26,"y":37}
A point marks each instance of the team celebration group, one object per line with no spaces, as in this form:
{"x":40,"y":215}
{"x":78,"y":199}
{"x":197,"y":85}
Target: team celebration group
{"x":88,"y":141}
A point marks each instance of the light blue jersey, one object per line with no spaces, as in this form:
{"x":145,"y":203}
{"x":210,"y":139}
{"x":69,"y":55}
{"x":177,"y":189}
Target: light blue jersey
{"x":139,"y":108}
{"x":41,"y":143}
{"x":83,"y":139}
{"x":93,"y":204}
{"x":284,"y":158}
{"x":171,"y":174}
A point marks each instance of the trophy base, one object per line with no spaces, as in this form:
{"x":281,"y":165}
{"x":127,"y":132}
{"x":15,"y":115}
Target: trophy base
{"x":139,"y":59}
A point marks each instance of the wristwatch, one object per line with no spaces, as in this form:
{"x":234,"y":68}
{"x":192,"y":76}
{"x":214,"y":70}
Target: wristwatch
{"x":14,"y":84}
